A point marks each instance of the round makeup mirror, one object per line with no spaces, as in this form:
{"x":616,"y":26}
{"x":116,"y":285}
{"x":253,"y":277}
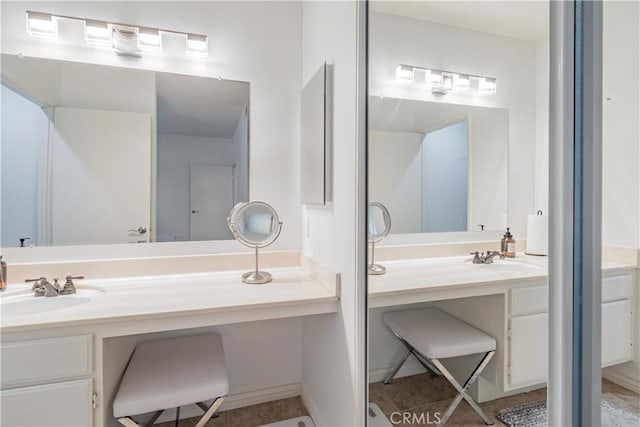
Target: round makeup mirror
{"x":256,"y":225}
{"x":378,"y":227}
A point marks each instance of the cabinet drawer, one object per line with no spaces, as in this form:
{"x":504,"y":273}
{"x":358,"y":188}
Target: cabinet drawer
{"x":66,"y":404}
{"x":617,"y":287}
{"x":530,"y":300}
{"x":41,"y":361}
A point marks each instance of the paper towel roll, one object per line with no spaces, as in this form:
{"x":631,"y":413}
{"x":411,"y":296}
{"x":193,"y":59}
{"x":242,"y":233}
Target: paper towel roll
{"x":537,"y":234}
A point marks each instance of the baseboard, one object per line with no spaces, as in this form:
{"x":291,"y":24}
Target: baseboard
{"x":411,"y":367}
{"x":238,"y":400}
{"x":309,"y":404}
{"x":615,"y":376}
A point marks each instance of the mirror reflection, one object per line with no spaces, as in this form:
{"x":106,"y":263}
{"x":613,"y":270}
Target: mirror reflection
{"x":255,"y":223}
{"x":439,"y":167}
{"x":95,"y":154}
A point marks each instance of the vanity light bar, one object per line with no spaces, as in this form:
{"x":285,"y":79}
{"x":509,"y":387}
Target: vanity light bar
{"x":441,"y":81}
{"x":97,"y":32}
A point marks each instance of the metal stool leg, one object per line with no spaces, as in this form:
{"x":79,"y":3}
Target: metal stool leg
{"x":397,"y":368}
{"x":410,"y":350}
{"x":209,"y":413}
{"x":462,"y":390}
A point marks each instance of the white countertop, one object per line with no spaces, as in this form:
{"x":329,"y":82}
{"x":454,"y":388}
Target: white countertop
{"x":180,"y":295}
{"x":417,"y":280}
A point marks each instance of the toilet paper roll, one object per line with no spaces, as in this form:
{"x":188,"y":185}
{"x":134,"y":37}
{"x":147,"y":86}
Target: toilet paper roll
{"x":537,"y":234}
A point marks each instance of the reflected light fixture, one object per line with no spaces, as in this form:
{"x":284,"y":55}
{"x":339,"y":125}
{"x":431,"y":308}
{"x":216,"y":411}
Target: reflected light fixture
{"x":442,"y":82}
{"x":125,"y":39}
{"x":487,"y":85}
{"x":42,"y":25}
{"x":150,"y":39}
{"x":404,"y":73}
{"x":97,"y":32}
{"x":434,"y":78}
{"x":197,"y":45}
{"x":461,"y":82}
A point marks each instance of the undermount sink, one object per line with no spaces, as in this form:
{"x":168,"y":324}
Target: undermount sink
{"x":511,"y":265}
{"x":24,"y":304}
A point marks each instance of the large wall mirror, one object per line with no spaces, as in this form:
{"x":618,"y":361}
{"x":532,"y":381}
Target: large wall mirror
{"x":95,"y":154}
{"x":439,"y":167}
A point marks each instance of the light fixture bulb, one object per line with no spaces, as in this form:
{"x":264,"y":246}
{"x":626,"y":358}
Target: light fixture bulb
{"x":434,"y":78}
{"x":42,"y":25}
{"x":487,"y":85}
{"x":461,"y":82}
{"x":97,"y":32}
{"x":150,"y":39}
{"x":197,"y":45}
{"x":404,"y":73}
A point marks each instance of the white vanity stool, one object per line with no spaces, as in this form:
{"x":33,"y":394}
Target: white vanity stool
{"x":171,"y":373}
{"x":430,"y":334}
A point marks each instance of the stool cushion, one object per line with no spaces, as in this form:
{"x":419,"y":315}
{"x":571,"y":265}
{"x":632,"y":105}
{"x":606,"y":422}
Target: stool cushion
{"x":172,"y":372}
{"x":436,"y":334}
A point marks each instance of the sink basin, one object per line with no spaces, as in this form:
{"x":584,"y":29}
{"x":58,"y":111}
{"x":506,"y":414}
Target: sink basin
{"x":510,"y":266}
{"x":25,"y":304}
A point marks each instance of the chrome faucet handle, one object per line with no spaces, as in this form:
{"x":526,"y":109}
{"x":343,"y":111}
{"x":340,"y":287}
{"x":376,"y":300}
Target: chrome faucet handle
{"x":476,"y":257}
{"x":42,"y":287}
{"x":38,"y":287}
{"x":69,"y":287}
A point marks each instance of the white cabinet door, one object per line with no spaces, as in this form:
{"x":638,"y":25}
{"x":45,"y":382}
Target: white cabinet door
{"x":66,"y":404}
{"x":616,"y":332}
{"x":528,"y":350}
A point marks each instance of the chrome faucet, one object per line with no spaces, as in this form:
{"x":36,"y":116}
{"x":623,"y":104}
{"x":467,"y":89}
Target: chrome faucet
{"x":43,"y":288}
{"x":485,"y":257}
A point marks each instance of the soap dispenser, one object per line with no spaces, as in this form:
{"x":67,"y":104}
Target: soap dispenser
{"x":508,"y":245}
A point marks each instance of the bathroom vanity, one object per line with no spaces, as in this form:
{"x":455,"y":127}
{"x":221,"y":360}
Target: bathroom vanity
{"x":69,"y":355}
{"x":507,"y":300}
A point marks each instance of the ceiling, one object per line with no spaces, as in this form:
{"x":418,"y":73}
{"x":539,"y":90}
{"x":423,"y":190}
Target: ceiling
{"x":528,"y":20}
{"x":199,"y":106}
{"x":410,"y":115}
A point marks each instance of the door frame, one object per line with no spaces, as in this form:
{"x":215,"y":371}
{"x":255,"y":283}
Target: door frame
{"x":575,"y":206}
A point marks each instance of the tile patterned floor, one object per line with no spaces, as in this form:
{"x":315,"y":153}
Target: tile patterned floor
{"x":251,"y":416}
{"x":425,"y":396}
{"x":419,"y":394}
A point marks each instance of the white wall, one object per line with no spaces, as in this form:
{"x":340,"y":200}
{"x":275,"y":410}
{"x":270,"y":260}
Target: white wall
{"x":542,"y":127}
{"x":257,"y":42}
{"x":176,"y":154}
{"x":621,"y":127}
{"x":330,"y":350}
{"x":398,"y":40}
{"x":241,"y":155}
{"x":25,"y":132}
{"x":621,"y":142}
{"x":397,"y":184}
